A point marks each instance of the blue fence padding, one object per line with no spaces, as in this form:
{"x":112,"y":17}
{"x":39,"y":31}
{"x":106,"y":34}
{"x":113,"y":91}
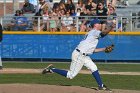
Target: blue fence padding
{"x":61,"y":46}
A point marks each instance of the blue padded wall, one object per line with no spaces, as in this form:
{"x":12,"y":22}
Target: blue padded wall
{"x":61,"y":46}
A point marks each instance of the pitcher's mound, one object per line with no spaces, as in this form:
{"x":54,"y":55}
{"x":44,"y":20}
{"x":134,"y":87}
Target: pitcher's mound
{"x":43,"y":88}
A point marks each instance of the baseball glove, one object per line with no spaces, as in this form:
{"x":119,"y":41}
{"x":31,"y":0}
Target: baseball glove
{"x":109,"y":48}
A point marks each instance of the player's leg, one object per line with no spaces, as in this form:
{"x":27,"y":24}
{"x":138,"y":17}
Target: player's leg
{"x":75,"y":66}
{"x":92,"y":66}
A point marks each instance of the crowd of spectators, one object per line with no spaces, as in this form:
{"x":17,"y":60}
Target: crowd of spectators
{"x":64,"y":16}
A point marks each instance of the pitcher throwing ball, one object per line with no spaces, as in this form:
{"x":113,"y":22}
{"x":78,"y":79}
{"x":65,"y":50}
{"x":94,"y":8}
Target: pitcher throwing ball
{"x":1,"y":33}
{"x":80,"y":56}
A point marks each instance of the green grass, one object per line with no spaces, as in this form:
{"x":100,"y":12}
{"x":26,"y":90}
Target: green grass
{"x":101,"y":67}
{"x":113,"y":81}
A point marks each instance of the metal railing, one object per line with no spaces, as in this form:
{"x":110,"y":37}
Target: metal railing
{"x":38,"y":23}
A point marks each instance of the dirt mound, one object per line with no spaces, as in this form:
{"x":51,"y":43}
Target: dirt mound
{"x":40,"y":88}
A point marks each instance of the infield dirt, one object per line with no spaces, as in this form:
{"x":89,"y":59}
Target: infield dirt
{"x":39,"y":88}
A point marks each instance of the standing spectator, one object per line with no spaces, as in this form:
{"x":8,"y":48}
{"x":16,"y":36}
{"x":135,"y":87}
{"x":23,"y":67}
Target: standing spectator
{"x":28,"y":7}
{"x":52,"y":21}
{"x":38,"y":18}
{"x":43,"y":6}
{"x":78,"y":14}
{"x":45,"y":20}
{"x":101,"y":11}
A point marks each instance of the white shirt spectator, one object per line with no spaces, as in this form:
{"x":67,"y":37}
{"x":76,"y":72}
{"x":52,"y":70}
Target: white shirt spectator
{"x":66,"y":21}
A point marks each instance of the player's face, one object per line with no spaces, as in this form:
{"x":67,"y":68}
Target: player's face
{"x":98,"y":26}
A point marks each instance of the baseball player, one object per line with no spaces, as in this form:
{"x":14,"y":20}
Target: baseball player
{"x":80,"y":56}
{"x":1,"y":30}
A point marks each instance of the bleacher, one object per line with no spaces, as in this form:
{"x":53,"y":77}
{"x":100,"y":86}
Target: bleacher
{"x":127,"y":12}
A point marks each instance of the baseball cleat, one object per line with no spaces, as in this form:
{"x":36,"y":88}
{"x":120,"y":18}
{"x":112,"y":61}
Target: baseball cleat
{"x":48,"y":69}
{"x":104,"y":87}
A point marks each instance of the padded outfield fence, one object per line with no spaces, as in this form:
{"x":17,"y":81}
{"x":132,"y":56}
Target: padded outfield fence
{"x":59,"y":45}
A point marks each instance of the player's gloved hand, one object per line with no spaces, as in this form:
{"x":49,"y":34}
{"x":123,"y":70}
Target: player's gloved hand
{"x":109,"y":49}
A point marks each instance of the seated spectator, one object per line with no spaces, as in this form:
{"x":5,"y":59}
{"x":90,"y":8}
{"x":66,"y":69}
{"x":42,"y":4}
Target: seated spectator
{"x":70,"y":5}
{"x":17,"y":13}
{"x":78,"y":12}
{"x":20,"y":23}
{"x":10,"y":25}
{"x":67,"y":22}
{"x":28,"y":7}
{"x":85,"y":20}
{"x":56,"y":5}
{"x":80,"y":5}
{"x":62,"y":12}
{"x":72,"y":13}
{"x":111,"y":15}
{"x":62,"y":6}
{"x":90,"y":5}
{"x":101,"y":11}
{"x":126,"y":2}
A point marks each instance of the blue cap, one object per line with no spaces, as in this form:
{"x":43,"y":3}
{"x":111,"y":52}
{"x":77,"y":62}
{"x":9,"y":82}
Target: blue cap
{"x":94,"y":21}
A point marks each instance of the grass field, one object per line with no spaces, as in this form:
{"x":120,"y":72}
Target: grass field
{"x":101,"y":66}
{"x":113,"y":81}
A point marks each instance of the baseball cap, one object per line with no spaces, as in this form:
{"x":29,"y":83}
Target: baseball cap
{"x":94,"y":21}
